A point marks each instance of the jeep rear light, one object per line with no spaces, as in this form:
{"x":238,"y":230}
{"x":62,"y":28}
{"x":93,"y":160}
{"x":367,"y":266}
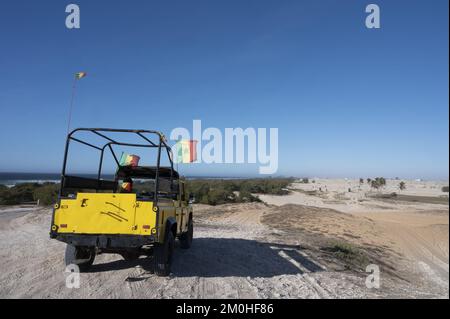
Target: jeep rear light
{"x":146,"y":226}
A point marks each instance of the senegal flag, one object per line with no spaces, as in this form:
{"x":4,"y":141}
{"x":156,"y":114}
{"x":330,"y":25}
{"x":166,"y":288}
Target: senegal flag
{"x":129,"y":160}
{"x":186,"y":151}
{"x":80,"y":75}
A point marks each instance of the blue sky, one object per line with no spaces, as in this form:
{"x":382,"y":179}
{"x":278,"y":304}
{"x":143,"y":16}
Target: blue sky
{"x":348,"y":101}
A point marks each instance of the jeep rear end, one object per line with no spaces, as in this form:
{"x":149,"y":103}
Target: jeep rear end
{"x":95,"y":216}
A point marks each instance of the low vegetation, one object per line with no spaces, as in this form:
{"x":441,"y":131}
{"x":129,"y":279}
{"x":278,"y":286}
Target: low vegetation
{"x":352,"y":256}
{"x":45,"y":193}
{"x":205,"y":191}
{"x":445,"y":189}
{"x":215,"y":192}
{"x":378,"y":183}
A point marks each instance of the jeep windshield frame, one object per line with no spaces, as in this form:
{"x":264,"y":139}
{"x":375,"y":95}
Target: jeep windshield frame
{"x":147,"y":142}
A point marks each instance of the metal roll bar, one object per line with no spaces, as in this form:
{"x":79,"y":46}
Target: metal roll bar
{"x":102,"y":132}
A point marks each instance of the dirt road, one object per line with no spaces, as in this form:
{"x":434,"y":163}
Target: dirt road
{"x":234,"y":255}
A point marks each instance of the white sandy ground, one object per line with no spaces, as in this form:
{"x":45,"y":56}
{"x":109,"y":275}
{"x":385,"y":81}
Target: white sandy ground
{"x":235,"y":255}
{"x":228,"y":260}
{"x":418,"y":232}
{"x":334,"y":194}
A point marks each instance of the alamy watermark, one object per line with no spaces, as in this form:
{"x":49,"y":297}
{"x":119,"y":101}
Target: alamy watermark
{"x":73,"y":278}
{"x":233,"y":146}
{"x":373,"y":280}
{"x":373,"y":19}
{"x":73,"y":19}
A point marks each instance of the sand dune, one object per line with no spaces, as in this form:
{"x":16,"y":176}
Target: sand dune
{"x":417,"y":231}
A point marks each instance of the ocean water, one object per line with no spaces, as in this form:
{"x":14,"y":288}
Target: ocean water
{"x":11,"y":179}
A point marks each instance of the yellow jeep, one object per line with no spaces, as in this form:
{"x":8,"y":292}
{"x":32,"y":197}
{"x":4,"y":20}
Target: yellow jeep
{"x":95,"y":215}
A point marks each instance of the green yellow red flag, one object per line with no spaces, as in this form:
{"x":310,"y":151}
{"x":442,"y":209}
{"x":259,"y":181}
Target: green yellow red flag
{"x":186,"y":151}
{"x":80,"y":75}
{"x":129,"y":160}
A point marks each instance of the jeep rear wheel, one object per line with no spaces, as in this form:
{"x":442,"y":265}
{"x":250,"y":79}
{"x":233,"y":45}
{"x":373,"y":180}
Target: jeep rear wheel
{"x":83,"y":257}
{"x":186,"y":237}
{"x":162,"y":255}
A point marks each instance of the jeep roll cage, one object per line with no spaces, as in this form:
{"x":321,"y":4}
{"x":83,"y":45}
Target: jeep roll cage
{"x":74,"y":182}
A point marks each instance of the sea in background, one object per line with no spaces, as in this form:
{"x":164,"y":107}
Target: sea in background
{"x":11,"y":179}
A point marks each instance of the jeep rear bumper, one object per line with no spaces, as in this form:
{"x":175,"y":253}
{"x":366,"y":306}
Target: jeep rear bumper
{"x":105,"y":240}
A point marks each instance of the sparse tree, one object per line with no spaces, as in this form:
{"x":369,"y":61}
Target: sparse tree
{"x":361,"y":180}
{"x":381,"y":181}
{"x":378,"y":183}
{"x":402,"y":186}
{"x":374,"y":184}
{"x":369,"y":180}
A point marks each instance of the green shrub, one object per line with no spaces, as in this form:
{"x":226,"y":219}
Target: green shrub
{"x":216,"y":192}
{"x":351,"y":255}
{"x":445,"y":189}
{"x":29,"y":192}
{"x":378,"y":182}
{"x":17,"y":194}
{"x":47,"y":194}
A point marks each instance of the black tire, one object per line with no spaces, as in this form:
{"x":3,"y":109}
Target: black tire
{"x":186,"y":237}
{"x":83,"y":257}
{"x":163,"y":255}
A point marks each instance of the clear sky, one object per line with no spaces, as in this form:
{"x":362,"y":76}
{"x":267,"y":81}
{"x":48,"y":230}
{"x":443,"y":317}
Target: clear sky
{"x":348,"y":101}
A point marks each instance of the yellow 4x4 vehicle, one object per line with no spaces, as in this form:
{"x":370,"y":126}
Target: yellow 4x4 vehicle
{"x":94,"y":215}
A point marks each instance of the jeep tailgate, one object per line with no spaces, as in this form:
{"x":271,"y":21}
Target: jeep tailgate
{"x":101,"y":213}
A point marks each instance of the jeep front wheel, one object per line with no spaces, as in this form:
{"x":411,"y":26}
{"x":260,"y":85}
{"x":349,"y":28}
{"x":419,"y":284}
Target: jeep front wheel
{"x":162,"y":255}
{"x":186,"y":237}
